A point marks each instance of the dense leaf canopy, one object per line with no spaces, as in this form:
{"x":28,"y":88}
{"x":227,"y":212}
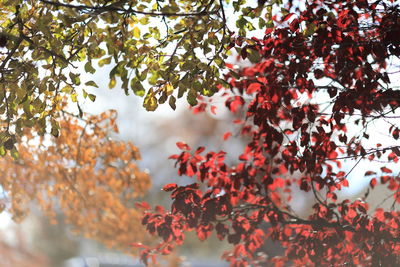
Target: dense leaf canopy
{"x":312,"y":105}
{"x":158,"y":49}
{"x":317,"y":69}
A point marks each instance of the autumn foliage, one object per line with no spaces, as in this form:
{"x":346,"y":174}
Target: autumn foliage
{"x":324,"y":76}
{"x":85,"y":174}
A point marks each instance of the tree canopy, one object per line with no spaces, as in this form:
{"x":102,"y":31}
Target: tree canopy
{"x":318,"y":84}
{"x":45,"y":47}
{"x":312,"y":105}
{"x":155,"y":48}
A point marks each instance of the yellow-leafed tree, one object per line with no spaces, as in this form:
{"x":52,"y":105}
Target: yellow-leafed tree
{"x":90,"y":177}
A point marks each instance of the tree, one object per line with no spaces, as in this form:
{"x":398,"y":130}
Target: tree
{"x":318,"y":69}
{"x":90,"y":177}
{"x":323,"y":84}
{"x":44,"y":48}
{"x":47,"y":45}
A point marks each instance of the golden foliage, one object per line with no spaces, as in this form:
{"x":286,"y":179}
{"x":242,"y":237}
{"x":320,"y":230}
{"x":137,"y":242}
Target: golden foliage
{"x":91,"y":178}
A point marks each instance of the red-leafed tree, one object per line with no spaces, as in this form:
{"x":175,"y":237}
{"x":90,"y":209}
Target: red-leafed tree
{"x":321,"y":95}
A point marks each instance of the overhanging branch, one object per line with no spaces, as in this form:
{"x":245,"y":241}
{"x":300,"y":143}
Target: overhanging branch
{"x":115,"y":8}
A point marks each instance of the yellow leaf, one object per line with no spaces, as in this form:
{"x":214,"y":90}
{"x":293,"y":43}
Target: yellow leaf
{"x":136,"y":32}
{"x":74,"y":97}
{"x":168,"y":88}
{"x":112,"y":83}
{"x":150,"y":101}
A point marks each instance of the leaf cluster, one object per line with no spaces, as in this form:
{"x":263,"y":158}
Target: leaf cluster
{"x":323,"y":72}
{"x":84,"y":173}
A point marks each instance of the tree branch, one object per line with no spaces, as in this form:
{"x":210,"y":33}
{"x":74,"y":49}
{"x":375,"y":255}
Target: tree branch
{"x":113,"y":7}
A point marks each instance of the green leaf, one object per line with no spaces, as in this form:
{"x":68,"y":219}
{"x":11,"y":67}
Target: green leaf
{"x":144,"y":20}
{"x":234,"y":74}
{"x":261,"y":23}
{"x":163,"y":98}
{"x":75,"y":78}
{"x":253,"y":55}
{"x":55,"y":132}
{"x":150,"y":101}
{"x":67,"y":89}
{"x":89,"y":68}
{"x":192,"y":97}
{"x":142,"y":75}
{"x":91,"y":83}
{"x":310,"y":30}
{"x":171,"y":102}
{"x":92,"y":97}
{"x":104,"y":61}
{"x":241,"y":23}
{"x":137,"y":87}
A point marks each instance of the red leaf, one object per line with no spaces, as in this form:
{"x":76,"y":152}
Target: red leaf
{"x":160,"y":209}
{"x":385,"y":178}
{"x":372,"y":183}
{"x":227,"y":135}
{"x":294,"y":25}
{"x":170,"y":187}
{"x":175,"y":156}
{"x":143,"y":205}
{"x":386,"y":170}
{"x":253,"y":88}
{"x":268,"y":31}
{"x":199,"y":108}
{"x":234,"y":103}
{"x":351,"y":213}
{"x":200,"y":149}
{"x":396,"y":150}
{"x":395,"y":133}
{"x":344,"y":19}
{"x":244,"y":157}
{"x":183,"y":146}
{"x":393,"y":157}
{"x":190,"y":169}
